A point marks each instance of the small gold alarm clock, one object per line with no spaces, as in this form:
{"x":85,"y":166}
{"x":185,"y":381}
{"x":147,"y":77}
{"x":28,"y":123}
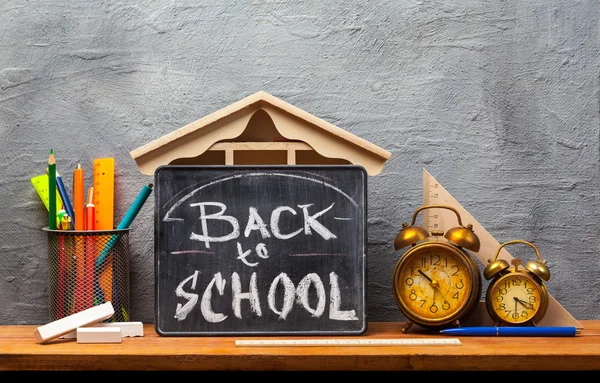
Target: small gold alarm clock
{"x":436,"y":282}
{"x":517,"y":296}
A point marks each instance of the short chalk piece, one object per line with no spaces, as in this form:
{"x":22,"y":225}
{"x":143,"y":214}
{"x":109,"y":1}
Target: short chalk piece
{"x":128,"y":329}
{"x":70,"y":323}
{"x":99,"y":335}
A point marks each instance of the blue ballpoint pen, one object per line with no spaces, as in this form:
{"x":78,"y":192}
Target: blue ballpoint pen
{"x":513,"y":331}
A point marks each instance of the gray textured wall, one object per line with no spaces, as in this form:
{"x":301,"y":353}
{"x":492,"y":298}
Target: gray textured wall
{"x":497,"y":100}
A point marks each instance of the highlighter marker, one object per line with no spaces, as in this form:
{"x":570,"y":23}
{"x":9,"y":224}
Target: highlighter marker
{"x":90,"y":249}
{"x":90,"y":211}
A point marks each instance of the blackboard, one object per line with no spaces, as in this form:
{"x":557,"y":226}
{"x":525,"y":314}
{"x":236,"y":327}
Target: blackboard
{"x":260,"y":250}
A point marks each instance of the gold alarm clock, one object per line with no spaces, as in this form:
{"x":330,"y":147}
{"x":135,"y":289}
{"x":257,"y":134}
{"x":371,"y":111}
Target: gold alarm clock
{"x":517,"y":296}
{"x":436,"y":282}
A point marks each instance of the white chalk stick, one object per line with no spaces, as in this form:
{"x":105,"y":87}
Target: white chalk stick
{"x":99,"y":335}
{"x":128,"y":329}
{"x":67,"y":324}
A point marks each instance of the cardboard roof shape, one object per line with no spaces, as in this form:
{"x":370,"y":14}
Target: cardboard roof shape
{"x":260,"y":130}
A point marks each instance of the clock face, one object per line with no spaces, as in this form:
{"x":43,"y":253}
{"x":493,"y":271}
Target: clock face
{"x":436,"y":283}
{"x":516,"y":298}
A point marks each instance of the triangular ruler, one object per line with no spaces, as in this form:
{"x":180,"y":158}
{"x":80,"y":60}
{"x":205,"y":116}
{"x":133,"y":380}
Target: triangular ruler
{"x":442,"y":219}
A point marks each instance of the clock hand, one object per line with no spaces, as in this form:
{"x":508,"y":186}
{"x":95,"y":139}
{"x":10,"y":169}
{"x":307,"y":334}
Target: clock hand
{"x":425,"y":275}
{"x":434,"y":283}
{"x":527,"y":305}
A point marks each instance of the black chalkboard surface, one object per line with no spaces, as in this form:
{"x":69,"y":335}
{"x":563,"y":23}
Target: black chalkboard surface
{"x":260,"y":250}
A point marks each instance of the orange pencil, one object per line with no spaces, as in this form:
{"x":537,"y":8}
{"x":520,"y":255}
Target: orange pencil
{"x":90,"y":248}
{"x":78,"y":198}
{"x":79,"y":220}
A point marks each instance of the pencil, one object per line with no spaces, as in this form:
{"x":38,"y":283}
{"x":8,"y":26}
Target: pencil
{"x":52,"y":213}
{"x":78,"y":198}
{"x":81,"y":296}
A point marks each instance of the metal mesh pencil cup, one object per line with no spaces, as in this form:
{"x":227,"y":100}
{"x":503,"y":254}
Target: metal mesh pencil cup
{"x":88,"y":268}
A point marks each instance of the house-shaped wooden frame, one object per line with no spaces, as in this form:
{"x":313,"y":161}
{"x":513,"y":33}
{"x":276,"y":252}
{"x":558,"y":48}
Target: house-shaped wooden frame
{"x":260,"y":130}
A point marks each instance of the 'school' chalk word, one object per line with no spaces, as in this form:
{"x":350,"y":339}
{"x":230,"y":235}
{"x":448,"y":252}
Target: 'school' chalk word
{"x":291,"y":294}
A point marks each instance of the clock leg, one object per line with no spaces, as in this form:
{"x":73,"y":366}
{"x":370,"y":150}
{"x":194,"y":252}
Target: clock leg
{"x":406,"y":327}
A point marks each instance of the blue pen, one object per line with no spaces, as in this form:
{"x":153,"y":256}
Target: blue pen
{"x":513,"y":331}
{"x":65,"y":198}
{"x":125,"y":223}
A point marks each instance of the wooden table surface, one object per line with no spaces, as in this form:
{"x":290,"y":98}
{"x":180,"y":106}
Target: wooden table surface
{"x":20,"y":352}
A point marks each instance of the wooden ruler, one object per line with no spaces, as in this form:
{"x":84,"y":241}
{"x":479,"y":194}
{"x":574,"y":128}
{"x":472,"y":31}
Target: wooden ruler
{"x":104,"y":192}
{"x":444,"y":219}
{"x":348,"y":342}
{"x":40,"y":183}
